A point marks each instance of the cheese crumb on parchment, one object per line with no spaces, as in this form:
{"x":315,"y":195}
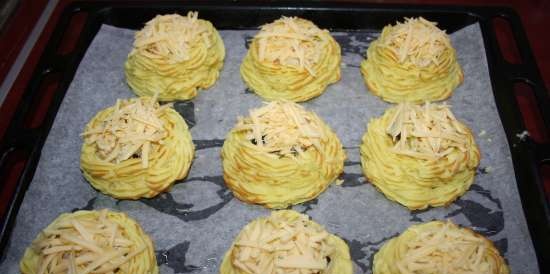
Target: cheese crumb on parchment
{"x":489,"y":169}
{"x":426,"y":132}
{"x":523,"y":135}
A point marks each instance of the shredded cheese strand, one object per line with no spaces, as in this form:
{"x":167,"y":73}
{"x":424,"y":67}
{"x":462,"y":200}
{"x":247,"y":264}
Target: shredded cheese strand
{"x":426,"y":132}
{"x":129,"y":131}
{"x":292,"y":42}
{"x":281,"y":127}
{"x":417,"y":41}
{"x":171,"y":37}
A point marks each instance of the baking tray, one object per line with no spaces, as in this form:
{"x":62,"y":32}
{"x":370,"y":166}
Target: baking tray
{"x":21,"y":146}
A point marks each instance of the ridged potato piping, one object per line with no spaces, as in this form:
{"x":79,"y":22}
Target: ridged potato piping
{"x":169,"y":159}
{"x":161,"y":62}
{"x":395,"y":78}
{"x":277,"y":79}
{"x":439,"y":247}
{"x":277,"y":179}
{"x":135,"y":253}
{"x":295,"y":244}
{"x":417,"y":182}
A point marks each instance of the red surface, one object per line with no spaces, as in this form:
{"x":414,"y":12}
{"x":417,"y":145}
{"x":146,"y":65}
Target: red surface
{"x":23,"y":16}
{"x":532,"y":13}
{"x":16,"y":30}
{"x":11,"y":174}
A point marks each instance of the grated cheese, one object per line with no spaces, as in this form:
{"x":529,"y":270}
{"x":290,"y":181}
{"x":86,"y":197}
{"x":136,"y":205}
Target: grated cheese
{"x":282,"y":127}
{"x":417,"y":41}
{"x":131,"y":130}
{"x":292,"y":42}
{"x":83,"y":246}
{"x":445,"y":249}
{"x":277,"y":245}
{"x":523,"y":135}
{"x":171,"y":36}
{"x":426,"y":132}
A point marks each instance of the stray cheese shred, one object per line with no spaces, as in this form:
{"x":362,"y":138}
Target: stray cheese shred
{"x":419,"y":155}
{"x":284,"y":243}
{"x":281,"y":154}
{"x":439,"y":247}
{"x":91,"y":242}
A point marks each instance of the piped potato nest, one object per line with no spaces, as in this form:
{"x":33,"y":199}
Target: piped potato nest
{"x":175,"y":56}
{"x":439,"y":247}
{"x":91,"y":242}
{"x":292,"y":59}
{"x":412,"y":61}
{"x":281,"y":155}
{"x":286,"y":242}
{"x":419,"y":155}
{"x":136,"y":149}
